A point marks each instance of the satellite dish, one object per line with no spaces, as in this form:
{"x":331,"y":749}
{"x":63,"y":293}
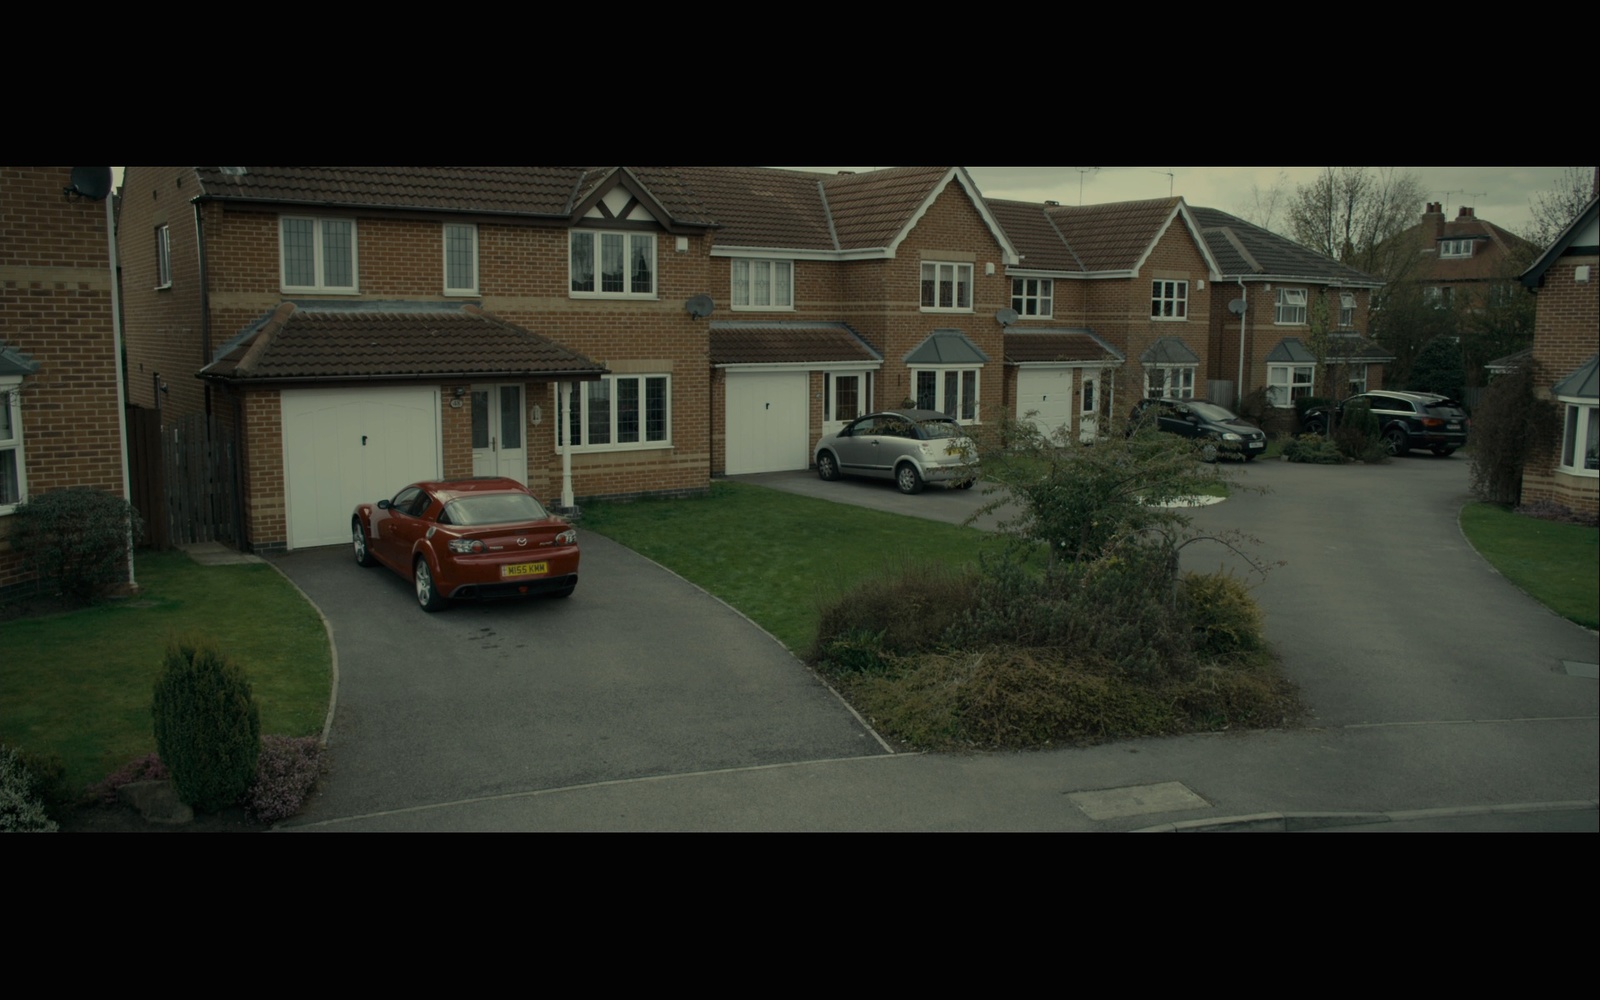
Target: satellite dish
{"x":1006,"y":317}
{"x":1236,"y":307}
{"x":699,"y":307}
{"x":93,"y":183}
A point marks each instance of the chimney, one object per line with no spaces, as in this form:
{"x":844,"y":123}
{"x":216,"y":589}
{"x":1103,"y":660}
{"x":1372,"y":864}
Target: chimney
{"x":1466,"y":213}
{"x":1052,"y":204}
{"x":1433,"y":221}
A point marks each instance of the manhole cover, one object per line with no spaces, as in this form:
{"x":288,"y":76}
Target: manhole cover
{"x":1137,"y":800}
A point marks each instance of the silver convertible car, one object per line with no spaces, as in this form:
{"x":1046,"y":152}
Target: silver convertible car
{"x":911,"y":447}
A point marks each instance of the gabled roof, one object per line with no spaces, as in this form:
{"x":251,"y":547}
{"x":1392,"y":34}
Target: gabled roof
{"x":14,"y":362}
{"x":1244,"y":250}
{"x":1037,"y":238}
{"x":735,"y":342}
{"x":759,"y":207}
{"x":1169,"y":351}
{"x":1110,"y":240}
{"x":1583,"y":234}
{"x":946,"y":347}
{"x":1583,"y":383}
{"x":553,"y":193}
{"x":1080,"y":344}
{"x":330,"y":341}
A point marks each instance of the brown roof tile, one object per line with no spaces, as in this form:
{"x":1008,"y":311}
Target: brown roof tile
{"x":870,"y":209}
{"x":781,"y":342}
{"x":759,"y":207}
{"x":375,"y":340}
{"x":1034,"y":235}
{"x":1112,"y":237}
{"x":1034,"y":346}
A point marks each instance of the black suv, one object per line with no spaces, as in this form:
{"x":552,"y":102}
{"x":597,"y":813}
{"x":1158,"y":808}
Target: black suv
{"x":1219,"y":430}
{"x":1406,"y":420}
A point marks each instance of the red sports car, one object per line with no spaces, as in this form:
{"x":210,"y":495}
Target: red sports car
{"x":468,"y":538}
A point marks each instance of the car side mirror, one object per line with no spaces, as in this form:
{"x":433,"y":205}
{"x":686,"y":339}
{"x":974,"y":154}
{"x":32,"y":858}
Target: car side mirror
{"x":384,"y":505}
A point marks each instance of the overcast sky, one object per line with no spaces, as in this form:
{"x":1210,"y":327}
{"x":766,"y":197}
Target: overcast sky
{"x":1498,"y":194}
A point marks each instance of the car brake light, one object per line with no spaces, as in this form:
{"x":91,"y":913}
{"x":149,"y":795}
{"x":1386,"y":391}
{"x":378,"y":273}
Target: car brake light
{"x":1432,"y":422}
{"x":465,"y":545}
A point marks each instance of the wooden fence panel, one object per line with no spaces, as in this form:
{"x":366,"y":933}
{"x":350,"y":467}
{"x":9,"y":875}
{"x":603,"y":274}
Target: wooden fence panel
{"x":144,"y":475}
{"x":199,"y":473}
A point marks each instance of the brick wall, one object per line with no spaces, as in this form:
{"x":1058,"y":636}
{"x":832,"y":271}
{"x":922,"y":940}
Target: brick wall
{"x":1566,"y":332}
{"x":55,"y":307}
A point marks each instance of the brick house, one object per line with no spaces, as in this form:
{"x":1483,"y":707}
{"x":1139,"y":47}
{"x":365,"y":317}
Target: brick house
{"x":1465,"y":260}
{"x":1263,"y":313}
{"x":60,"y":388}
{"x":361,"y":328}
{"x":1566,"y":286}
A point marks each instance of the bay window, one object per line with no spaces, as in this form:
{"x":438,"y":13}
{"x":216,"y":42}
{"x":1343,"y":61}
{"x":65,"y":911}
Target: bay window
{"x":951,"y":391}
{"x":1287,"y":383}
{"x":620,"y":412}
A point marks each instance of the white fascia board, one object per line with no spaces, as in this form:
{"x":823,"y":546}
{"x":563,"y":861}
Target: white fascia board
{"x":802,"y":366}
{"x":787,"y":253}
{"x":1301,"y":279}
{"x":1052,"y":365}
{"x":1008,"y":253}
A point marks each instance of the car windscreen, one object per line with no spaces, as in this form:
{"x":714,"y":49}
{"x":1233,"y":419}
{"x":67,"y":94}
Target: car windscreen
{"x":1446,"y":408}
{"x":934,"y":429}
{"x":493,"y":508}
{"x":1212,"y":412}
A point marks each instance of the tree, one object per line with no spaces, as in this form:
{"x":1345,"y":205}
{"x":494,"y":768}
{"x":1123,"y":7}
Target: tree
{"x":1408,"y":321}
{"x":1269,"y":206}
{"x":1352,"y":214}
{"x":1554,"y":210}
{"x":1438,"y":368}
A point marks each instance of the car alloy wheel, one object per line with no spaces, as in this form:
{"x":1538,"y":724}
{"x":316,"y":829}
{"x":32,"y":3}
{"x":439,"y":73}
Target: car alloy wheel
{"x":827,"y":467}
{"x":1208,"y":452}
{"x":427,"y":593}
{"x":358,"y":538}
{"x":908,"y":479}
{"x":1395,"y":441}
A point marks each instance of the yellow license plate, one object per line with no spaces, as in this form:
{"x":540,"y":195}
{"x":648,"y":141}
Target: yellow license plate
{"x":525,"y":569}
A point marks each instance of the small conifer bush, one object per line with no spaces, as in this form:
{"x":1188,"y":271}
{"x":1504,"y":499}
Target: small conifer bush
{"x":207,"y":725}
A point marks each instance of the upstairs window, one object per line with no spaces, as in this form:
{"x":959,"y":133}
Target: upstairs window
{"x":613,"y":265}
{"x":947,"y":287}
{"x":1169,"y":300}
{"x":319,"y":255}
{"x":1455,"y":248}
{"x":1347,"y":311}
{"x":460,"y":260}
{"x":1031,"y":296}
{"x":1439,"y":298}
{"x":763,"y":284}
{"x":1291,"y":307}
{"x":163,"y":257}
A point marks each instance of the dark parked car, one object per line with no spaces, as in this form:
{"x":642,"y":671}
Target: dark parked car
{"x":1406,"y":420}
{"x":911,"y":447}
{"x":1217,"y":429}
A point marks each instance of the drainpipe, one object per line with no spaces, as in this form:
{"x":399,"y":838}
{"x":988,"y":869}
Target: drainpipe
{"x":563,"y":423}
{"x":122,"y":400}
{"x":1239,"y":389}
{"x":205,"y":297}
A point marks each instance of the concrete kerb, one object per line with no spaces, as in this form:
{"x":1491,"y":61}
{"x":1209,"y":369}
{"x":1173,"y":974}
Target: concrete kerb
{"x":1299,"y":822}
{"x":333,"y":652}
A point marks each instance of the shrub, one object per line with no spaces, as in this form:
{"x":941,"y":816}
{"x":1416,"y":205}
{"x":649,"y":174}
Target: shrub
{"x":1509,"y":424}
{"x":21,"y":806}
{"x":207,"y":726}
{"x":1357,"y":436}
{"x":76,"y":540}
{"x":287,"y":770}
{"x":905,"y":610}
{"x":1313,"y":448}
{"x":1222,"y":616}
{"x":1256,"y":407}
{"x":1439,"y":368}
{"x":146,"y":768}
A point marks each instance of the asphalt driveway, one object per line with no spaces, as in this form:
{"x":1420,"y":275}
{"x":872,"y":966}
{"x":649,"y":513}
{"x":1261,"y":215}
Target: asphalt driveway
{"x":638,"y":674}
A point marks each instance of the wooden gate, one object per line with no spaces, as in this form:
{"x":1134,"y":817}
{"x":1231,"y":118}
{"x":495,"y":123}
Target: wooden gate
{"x":184,"y":478}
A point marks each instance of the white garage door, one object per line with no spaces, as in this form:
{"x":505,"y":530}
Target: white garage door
{"x":768,"y":422}
{"x":1048,"y":391}
{"x":344,"y":446}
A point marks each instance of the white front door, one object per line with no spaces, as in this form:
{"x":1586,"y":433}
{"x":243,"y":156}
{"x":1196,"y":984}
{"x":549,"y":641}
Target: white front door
{"x":499,"y":432}
{"x":848,"y":396}
{"x":1089,"y":405}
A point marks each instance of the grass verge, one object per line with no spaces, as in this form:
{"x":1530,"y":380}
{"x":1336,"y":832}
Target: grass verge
{"x":1558,"y":564}
{"x":776,"y":556}
{"x":79,"y":684}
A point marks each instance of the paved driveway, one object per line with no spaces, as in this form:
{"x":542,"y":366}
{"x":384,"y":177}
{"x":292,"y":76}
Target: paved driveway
{"x":638,"y":674}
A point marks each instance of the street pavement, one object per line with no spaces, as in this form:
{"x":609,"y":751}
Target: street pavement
{"x":1443,"y":697}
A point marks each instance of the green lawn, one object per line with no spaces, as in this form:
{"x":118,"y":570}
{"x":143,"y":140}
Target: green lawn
{"x":79,"y":684}
{"x":1559,"y":564}
{"x":776,"y":556}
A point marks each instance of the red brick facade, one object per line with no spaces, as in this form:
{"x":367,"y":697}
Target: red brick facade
{"x":1566,"y":334}
{"x":56,"y":310}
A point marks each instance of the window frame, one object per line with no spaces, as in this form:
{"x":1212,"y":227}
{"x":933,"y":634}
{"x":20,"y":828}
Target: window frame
{"x":1580,"y":438}
{"x":444,"y":233}
{"x":319,"y":258}
{"x":12,"y":443}
{"x":596,"y":240}
{"x":1041,"y":299}
{"x":163,"y":257}
{"x":750,"y":264}
{"x":970,"y":408}
{"x":928,"y":289}
{"x":1358,"y":386}
{"x":1172,"y":375}
{"x":1347,"y":310}
{"x":584,"y":424}
{"x":1456,"y":248}
{"x":1291,"y":309}
{"x":1289,"y":383}
{"x":1169,"y":300}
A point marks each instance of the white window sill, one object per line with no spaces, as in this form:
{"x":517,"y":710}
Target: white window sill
{"x":603,"y":449}
{"x":761,"y":309}
{"x":461,"y":293}
{"x":1169,"y":319}
{"x":1578,"y":473}
{"x":292,"y":290}
{"x":940,"y":309}
{"x":619,"y":296}
{"x":164,"y":288}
